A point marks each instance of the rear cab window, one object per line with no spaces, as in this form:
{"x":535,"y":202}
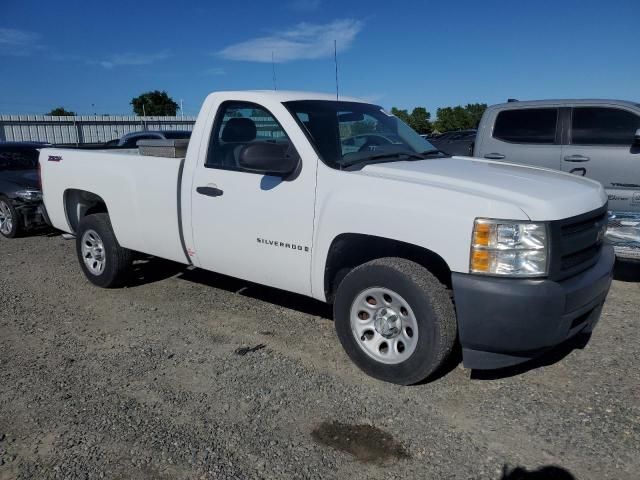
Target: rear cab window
{"x":530,"y":126}
{"x":603,"y":126}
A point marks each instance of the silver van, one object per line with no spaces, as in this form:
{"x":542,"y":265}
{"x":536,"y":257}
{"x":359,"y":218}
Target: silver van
{"x":599,"y":139}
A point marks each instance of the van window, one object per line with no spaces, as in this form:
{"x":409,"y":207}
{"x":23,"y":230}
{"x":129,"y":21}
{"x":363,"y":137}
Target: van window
{"x":531,"y":125}
{"x":603,"y":126}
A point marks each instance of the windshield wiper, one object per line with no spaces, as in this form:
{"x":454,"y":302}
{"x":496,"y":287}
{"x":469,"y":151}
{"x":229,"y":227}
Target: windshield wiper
{"x":433,"y":152}
{"x":381,"y":156}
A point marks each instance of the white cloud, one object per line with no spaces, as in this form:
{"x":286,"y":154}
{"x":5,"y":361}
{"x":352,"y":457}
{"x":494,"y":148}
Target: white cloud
{"x":305,"y":41}
{"x":305,"y":5}
{"x":18,"y":42}
{"x":129,"y":59}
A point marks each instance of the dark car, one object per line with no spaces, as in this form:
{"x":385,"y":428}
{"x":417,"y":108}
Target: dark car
{"x":130,"y":140}
{"x":458,"y":142}
{"x":21,"y":205}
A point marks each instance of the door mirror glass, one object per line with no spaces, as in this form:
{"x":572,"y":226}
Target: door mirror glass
{"x":269,"y":158}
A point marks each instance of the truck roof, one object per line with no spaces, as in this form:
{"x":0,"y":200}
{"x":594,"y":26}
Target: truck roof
{"x":290,"y":95}
{"x":566,"y":101}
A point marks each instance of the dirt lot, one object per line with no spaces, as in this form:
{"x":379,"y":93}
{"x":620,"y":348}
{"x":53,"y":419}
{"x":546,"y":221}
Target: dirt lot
{"x":194,"y":375}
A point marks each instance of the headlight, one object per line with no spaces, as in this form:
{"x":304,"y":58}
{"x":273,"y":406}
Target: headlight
{"x":503,"y":247}
{"x":29,"y":195}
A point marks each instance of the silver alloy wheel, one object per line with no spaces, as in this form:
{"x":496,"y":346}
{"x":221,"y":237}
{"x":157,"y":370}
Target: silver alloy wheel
{"x":384,"y":325}
{"x":6,"y":219}
{"x":93,"y":252}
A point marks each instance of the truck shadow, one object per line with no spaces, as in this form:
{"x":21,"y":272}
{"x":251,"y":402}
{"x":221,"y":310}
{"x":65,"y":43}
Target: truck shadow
{"x":627,"y":271}
{"x":293,"y":301}
{"x":552,"y":356}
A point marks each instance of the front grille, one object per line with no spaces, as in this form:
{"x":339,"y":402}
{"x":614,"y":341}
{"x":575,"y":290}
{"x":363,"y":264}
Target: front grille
{"x":576,"y":243}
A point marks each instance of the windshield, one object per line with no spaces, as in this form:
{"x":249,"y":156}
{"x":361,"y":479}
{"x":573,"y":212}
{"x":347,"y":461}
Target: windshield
{"x":349,"y":133}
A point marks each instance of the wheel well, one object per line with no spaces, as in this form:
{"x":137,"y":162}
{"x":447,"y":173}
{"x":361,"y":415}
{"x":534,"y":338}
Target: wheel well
{"x":80,"y":203}
{"x":349,"y":250}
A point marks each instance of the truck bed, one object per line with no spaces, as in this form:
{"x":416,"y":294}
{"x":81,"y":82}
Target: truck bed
{"x":141,"y":194}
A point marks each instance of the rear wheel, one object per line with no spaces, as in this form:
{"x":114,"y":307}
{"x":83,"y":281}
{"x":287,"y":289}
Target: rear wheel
{"x":104,"y":262}
{"x":9,"y":219}
{"x":395,"y":320}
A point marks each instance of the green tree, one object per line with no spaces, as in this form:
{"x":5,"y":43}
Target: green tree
{"x":459,"y":117}
{"x":419,"y":120}
{"x":155,"y":103}
{"x":61,"y":112}
{"x":401,"y":114}
{"x":475,"y":112}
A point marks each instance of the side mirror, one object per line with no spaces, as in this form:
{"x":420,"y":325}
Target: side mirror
{"x":636,"y":138}
{"x":269,"y":158}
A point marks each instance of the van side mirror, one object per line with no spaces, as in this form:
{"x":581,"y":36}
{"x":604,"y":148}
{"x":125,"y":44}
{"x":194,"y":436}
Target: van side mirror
{"x":269,"y":158}
{"x":636,"y":138}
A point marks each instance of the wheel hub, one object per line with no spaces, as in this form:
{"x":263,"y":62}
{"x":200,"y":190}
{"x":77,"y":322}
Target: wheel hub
{"x":387,"y":322}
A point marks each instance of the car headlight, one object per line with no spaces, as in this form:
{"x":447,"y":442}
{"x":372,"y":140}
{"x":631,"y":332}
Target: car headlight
{"x":29,"y":195}
{"x":509,"y":248}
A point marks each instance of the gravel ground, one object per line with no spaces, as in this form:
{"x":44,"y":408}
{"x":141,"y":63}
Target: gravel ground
{"x":189,"y":374}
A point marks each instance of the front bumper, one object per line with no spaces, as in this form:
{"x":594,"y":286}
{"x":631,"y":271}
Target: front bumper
{"x":504,"y":321}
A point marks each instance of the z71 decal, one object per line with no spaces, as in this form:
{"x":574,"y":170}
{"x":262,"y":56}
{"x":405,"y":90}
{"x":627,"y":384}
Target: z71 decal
{"x":55,"y":158}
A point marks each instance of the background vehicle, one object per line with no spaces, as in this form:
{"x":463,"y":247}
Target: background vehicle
{"x":598,"y":139}
{"x":455,"y":143}
{"x":130,"y":140}
{"x":20,"y":194}
{"x":269,"y":193}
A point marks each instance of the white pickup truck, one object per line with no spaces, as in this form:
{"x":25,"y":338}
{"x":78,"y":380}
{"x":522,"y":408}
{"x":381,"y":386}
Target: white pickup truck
{"x":341,"y":201}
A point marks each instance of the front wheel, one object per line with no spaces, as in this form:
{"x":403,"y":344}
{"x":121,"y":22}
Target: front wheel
{"x":395,"y":320}
{"x":104,"y":262}
{"x":9,"y":219}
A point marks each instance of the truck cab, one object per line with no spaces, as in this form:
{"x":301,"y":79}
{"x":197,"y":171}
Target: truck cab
{"x":598,"y":139}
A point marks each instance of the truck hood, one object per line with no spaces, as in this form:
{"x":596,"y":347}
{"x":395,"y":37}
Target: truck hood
{"x":542,"y":194}
{"x":21,"y":178}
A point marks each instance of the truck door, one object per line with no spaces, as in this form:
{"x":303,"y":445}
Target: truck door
{"x":528,"y":136}
{"x":600,"y":146}
{"x":247,"y":225}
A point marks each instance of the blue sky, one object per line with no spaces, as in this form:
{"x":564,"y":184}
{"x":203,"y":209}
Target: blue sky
{"x":94,"y":56}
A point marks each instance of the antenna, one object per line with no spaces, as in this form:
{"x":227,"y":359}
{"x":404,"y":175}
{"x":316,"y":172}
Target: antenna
{"x":273,"y":66}
{"x":335,"y":60}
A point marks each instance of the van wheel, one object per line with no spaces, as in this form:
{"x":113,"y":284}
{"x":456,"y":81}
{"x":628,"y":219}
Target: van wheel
{"x":9,"y":219}
{"x":395,"y":320}
{"x":104,"y":262}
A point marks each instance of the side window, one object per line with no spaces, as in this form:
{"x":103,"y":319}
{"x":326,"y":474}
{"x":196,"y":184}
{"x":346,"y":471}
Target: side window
{"x":237,"y":125}
{"x":19,"y":159}
{"x":531,"y":125}
{"x":603,"y":126}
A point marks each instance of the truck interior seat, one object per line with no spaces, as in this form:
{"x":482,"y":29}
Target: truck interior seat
{"x":236,"y":134}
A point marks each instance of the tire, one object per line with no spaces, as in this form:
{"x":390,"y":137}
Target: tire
{"x":412,"y":313}
{"x":104,"y":262}
{"x":10,"y":226}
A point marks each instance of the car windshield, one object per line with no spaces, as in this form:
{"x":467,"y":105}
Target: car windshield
{"x":351,"y":133}
{"x":18,"y":159}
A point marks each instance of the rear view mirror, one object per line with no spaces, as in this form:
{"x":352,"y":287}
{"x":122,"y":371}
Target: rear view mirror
{"x":269,"y":158}
{"x":636,"y":137}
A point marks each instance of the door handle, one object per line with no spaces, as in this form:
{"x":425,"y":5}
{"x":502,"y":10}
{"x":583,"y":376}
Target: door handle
{"x":494,"y":156}
{"x":576,"y":158}
{"x":209,"y":191}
